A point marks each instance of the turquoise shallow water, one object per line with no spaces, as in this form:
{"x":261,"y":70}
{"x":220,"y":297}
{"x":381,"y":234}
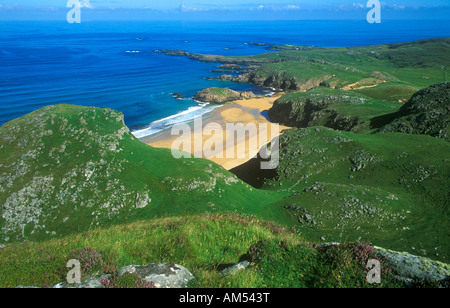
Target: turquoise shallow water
{"x":112,"y":64}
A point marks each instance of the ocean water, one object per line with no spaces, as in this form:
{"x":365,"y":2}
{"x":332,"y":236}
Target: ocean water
{"x":112,"y":64}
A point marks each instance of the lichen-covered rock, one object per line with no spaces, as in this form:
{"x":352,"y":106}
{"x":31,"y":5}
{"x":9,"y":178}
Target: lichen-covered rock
{"x":236,"y":268}
{"x":92,"y":283}
{"x":163,"y":275}
{"x":413,"y":268}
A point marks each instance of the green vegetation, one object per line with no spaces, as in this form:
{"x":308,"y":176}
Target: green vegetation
{"x":305,"y":265}
{"x":203,"y":243}
{"x":385,"y":72}
{"x":428,"y":113}
{"x":385,"y":188}
{"x":337,"y":109}
{"x":65,"y":169}
{"x":359,"y":167}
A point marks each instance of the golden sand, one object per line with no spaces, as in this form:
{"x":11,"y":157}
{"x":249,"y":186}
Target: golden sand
{"x":242,"y":111}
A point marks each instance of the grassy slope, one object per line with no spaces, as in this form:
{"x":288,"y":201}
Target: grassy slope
{"x":205,"y":244}
{"x":68,"y":168}
{"x":389,"y":189}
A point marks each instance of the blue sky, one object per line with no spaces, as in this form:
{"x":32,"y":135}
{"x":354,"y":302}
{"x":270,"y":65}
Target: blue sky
{"x":225,"y":9}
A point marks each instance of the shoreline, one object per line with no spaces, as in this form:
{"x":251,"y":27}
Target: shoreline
{"x":249,"y":111}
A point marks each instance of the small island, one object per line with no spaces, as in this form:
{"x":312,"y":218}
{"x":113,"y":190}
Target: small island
{"x":221,"y":95}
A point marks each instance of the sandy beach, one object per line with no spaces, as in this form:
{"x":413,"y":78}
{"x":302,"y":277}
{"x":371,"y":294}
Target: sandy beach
{"x":229,"y":153}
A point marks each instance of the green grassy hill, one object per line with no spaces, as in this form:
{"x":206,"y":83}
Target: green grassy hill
{"x":426,"y":113}
{"x":390,"y":189}
{"x":65,"y":169}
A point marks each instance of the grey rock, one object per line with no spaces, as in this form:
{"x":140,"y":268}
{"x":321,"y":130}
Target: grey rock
{"x":163,"y":275}
{"x":410,"y":267}
{"x":236,"y":268}
{"x":92,"y":283}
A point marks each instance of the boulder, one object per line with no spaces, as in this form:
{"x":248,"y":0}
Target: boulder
{"x":163,"y":275}
{"x":92,"y":283}
{"x":236,"y":268}
{"x":178,"y":95}
{"x":410,"y":268}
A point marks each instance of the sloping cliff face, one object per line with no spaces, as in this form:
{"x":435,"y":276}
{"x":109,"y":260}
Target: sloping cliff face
{"x":280,"y":81}
{"x":55,"y":166}
{"x":315,"y":110}
{"x":426,"y":113}
{"x":221,"y":95}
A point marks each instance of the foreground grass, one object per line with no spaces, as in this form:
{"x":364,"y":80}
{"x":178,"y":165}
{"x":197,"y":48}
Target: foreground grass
{"x":204,"y":244}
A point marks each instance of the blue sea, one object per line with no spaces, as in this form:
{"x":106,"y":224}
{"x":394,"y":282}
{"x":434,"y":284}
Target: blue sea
{"x":113,"y":64}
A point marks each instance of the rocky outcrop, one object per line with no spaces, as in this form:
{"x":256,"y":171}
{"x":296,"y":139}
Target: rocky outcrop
{"x":178,"y":95}
{"x":316,"y":110}
{"x":250,"y":73}
{"x":412,"y":269}
{"x":157,"y":275}
{"x":236,"y":268}
{"x":280,"y":80}
{"x":426,"y":113}
{"x":221,"y":95}
{"x":213,"y":58}
{"x":163,"y":275}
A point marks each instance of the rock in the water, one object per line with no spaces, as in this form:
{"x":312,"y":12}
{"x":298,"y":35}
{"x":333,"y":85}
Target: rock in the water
{"x":163,"y":275}
{"x":178,"y":95}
